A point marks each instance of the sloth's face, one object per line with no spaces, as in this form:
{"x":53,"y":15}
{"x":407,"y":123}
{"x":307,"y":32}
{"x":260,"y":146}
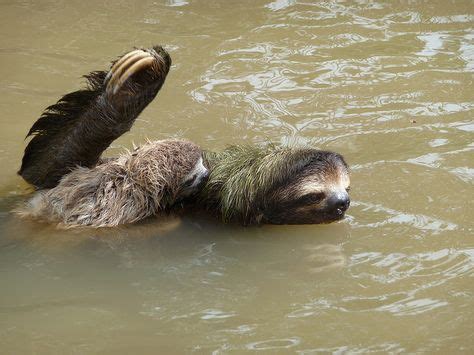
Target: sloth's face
{"x":318,"y":194}
{"x":194,"y":180}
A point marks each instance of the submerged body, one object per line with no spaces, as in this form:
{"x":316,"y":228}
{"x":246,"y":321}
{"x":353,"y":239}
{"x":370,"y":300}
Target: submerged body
{"x":248,"y":185}
{"x":122,"y":190}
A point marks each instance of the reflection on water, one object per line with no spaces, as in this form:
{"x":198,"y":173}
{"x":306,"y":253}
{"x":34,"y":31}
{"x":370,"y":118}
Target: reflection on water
{"x":389,"y":85}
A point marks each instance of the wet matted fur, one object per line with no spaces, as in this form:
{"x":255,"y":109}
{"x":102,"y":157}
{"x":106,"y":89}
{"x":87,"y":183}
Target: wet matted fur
{"x":122,"y":190}
{"x":63,"y":157}
{"x":247,"y":184}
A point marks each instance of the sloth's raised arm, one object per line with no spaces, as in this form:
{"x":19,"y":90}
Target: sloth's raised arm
{"x":82,"y":124}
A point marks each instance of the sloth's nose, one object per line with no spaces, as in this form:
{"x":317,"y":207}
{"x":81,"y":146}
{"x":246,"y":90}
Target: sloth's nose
{"x":339,"y":202}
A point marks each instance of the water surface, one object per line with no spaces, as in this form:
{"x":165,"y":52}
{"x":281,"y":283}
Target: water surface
{"x":387,"y":84}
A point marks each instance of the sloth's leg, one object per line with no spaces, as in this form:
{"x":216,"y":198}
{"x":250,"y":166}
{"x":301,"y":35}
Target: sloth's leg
{"x":82,"y":124}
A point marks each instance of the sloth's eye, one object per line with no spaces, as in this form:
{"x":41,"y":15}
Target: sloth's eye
{"x":348,"y":189}
{"x":312,"y":198}
{"x":189,"y":182}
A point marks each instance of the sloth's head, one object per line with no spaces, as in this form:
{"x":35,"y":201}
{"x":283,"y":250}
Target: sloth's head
{"x":316,"y":193}
{"x":279,"y":185}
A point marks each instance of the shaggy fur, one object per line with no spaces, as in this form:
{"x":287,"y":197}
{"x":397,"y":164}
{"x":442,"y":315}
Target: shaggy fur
{"x":82,"y":124}
{"x":246,"y":184}
{"x":250,"y":184}
{"x":122,"y":190}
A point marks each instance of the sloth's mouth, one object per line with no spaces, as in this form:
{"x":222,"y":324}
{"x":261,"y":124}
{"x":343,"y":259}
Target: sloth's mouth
{"x":320,"y":217}
{"x":333,"y":216}
{"x":339,"y":216}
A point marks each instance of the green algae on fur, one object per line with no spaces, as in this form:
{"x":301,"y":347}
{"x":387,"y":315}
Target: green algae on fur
{"x":242,"y":177}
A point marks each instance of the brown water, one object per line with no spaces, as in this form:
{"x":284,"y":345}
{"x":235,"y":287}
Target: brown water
{"x":387,"y":84}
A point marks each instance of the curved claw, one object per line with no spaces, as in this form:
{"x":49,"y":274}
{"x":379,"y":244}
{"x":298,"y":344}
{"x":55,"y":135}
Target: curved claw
{"x":135,"y":68}
{"x":125,"y":67}
{"x":119,"y":62}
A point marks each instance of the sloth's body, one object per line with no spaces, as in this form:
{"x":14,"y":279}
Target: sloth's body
{"x":246,"y":184}
{"x":122,"y":190}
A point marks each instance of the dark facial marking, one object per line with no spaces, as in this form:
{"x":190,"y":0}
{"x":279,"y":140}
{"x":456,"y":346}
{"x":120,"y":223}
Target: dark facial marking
{"x":322,"y":202}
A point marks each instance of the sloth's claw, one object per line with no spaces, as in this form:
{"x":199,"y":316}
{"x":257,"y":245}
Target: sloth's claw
{"x":132,"y":63}
{"x":134,"y":68}
{"x":119,"y":62}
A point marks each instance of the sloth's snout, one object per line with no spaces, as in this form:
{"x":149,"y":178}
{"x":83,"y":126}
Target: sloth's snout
{"x":339,"y":202}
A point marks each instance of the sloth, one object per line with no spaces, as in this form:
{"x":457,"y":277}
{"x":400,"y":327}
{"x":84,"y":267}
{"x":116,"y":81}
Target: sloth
{"x":243,"y":184}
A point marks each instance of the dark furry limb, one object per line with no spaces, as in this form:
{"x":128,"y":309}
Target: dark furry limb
{"x":82,"y":124}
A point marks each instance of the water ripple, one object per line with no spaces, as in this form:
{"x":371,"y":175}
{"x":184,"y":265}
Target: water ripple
{"x":274,"y":344}
{"x":418,"y":221}
{"x":442,"y":265}
{"x":391,"y":348}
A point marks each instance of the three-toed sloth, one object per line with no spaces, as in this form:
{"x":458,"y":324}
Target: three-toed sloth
{"x":245,"y":184}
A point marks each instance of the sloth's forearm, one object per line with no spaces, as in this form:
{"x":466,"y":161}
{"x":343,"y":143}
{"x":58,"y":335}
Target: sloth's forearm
{"x":76,"y":130}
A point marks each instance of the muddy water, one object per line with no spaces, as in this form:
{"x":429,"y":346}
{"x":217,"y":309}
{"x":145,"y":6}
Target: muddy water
{"x":390,"y":86}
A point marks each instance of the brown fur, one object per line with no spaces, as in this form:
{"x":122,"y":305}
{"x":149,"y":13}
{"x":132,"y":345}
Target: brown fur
{"x":127,"y":189}
{"x":246,"y":184}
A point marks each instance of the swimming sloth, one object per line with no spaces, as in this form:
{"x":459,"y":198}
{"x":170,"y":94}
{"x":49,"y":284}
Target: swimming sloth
{"x":244,"y":184}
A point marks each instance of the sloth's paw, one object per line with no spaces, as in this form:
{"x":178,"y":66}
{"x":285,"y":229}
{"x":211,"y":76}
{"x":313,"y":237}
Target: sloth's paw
{"x":138,"y":70}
